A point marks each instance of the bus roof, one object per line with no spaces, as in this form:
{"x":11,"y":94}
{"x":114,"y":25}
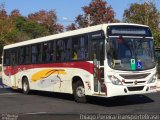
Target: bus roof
{"x":68,"y":34}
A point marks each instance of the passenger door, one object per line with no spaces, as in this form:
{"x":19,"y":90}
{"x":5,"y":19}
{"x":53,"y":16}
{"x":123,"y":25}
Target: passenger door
{"x":97,"y":51}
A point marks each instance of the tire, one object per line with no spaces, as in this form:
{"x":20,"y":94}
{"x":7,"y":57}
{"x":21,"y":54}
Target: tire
{"x":79,"y":92}
{"x":25,"y":86}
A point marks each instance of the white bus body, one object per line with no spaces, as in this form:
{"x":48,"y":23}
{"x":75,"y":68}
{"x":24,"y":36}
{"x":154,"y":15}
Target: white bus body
{"x":82,"y":62}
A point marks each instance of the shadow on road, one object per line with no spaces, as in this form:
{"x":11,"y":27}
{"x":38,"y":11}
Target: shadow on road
{"x":120,"y":101}
{"x":53,"y":95}
{"x":108,"y":102}
{"x":6,"y":90}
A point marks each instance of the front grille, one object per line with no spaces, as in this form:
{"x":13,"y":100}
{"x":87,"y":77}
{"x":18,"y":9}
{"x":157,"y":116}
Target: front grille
{"x":135,"y":76}
{"x":139,"y":88}
{"x":131,"y":82}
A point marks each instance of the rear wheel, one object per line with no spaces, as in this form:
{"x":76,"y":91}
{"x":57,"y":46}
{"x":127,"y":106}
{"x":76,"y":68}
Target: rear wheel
{"x":79,"y":92}
{"x":25,"y":86}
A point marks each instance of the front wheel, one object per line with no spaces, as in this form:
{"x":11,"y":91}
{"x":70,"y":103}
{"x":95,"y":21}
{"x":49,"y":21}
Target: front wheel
{"x":25,"y":86}
{"x":79,"y":92}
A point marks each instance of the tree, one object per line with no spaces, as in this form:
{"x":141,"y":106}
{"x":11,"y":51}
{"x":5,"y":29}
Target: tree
{"x":6,"y":27}
{"x":34,"y":30}
{"x":3,"y":13}
{"x":97,"y":12}
{"x":47,"y":19}
{"x":71,"y":27}
{"x":15,"y":28}
{"x":145,"y":13}
{"x":83,"y":21}
{"x":28,"y":29}
{"x":15,"y":13}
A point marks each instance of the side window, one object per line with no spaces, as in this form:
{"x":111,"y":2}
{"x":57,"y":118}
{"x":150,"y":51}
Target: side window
{"x":24,"y":56}
{"x":61,"y":50}
{"x":36,"y":53}
{"x":64,"y":50}
{"x":21,"y":55}
{"x":27,"y":55}
{"x":13,"y":56}
{"x":75,"y":48}
{"x":80,"y":48}
{"x":58,"y":50}
{"x":53,"y":53}
{"x":6,"y":58}
{"x":83,"y":52}
{"x":62,"y":46}
{"x":48,"y":52}
{"x":68,"y":50}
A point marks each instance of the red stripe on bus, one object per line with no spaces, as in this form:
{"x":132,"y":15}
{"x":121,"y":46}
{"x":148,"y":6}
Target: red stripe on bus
{"x":11,"y":70}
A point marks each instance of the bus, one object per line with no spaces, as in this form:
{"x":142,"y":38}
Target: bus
{"x":107,"y":60}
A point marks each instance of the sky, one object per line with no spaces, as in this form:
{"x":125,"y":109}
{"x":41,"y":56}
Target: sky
{"x":66,"y":10}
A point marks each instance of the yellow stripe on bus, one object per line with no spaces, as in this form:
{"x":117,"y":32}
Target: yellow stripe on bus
{"x":46,"y":73}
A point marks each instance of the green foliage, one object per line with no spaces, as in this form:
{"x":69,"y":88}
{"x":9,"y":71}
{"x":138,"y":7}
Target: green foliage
{"x":19,"y":22}
{"x":34,"y":29}
{"x":146,"y":14}
{"x":15,"y":28}
{"x":47,"y":19}
{"x":156,"y":35}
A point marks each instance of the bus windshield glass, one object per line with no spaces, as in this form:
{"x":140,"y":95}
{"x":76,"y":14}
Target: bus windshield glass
{"x":131,"y":53}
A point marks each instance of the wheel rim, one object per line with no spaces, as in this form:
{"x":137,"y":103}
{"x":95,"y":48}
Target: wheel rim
{"x":80,"y":92}
{"x":25,"y":86}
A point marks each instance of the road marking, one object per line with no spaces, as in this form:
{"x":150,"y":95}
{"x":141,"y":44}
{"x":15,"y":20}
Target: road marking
{"x":35,"y":113}
{"x":1,"y":94}
{"x":51,"y":113}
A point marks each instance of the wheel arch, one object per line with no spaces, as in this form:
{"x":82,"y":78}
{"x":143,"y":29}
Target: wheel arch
{"x":78,"y":90}
{"x":75,"y":79}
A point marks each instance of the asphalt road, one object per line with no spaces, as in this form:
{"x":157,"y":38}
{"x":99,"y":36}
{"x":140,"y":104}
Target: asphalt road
{"x":14,"y":105}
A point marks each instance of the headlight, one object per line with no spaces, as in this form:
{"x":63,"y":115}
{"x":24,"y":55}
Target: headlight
{"x":153,"y":79}
{"x":114,"y":80}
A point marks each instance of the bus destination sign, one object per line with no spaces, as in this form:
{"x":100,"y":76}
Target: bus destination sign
{"x":129,"y":31}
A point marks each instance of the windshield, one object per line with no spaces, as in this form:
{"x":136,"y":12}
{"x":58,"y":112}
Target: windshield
{"x":131,"y":53}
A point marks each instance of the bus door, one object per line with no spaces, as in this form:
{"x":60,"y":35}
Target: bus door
{"x":98,"y":61}
{"x":13,"y":58}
